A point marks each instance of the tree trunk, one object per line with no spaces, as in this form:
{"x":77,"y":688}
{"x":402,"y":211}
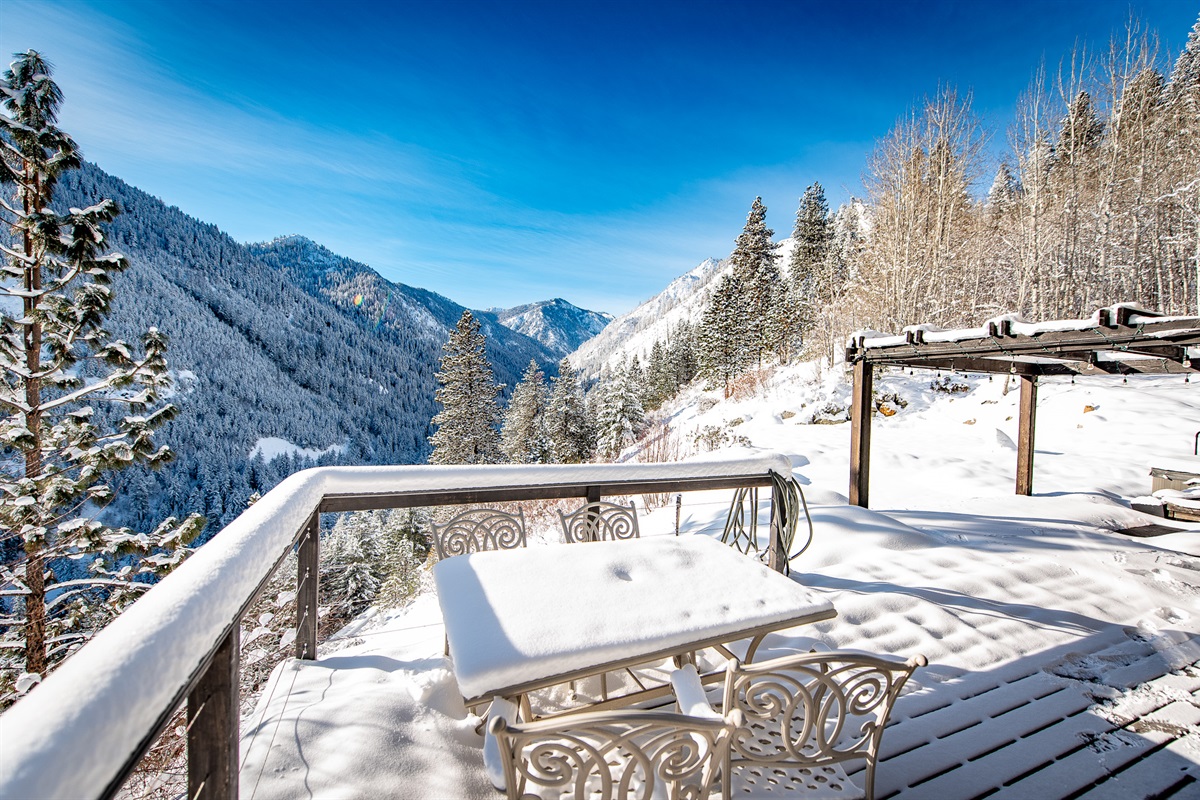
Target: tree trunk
{"x":35,"y":601}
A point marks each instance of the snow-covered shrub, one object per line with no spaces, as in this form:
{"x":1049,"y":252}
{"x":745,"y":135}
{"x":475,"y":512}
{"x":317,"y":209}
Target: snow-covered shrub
{"x":830,"y":413}
{"x":948,"y":385}
{"x":711,"y":437}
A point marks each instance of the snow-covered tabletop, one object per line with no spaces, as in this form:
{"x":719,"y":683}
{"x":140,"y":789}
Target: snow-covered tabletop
{"x":520,"y":619}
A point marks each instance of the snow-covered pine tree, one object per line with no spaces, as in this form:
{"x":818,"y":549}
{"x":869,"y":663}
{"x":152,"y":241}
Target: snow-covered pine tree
{"x":722,"y":352}
{"x":659,"y":377}
{"x":351,"y":563}
{"x":57,"y":361}
{"x":1003,"y":191}
{"x":568,"y":423}
{"x":683,"y":354}
{"x":754,"y":264}
{"x":404,"y":544}
{"x":813,"y":236}
{"x":467,"y":424}
{"x":524,"y":439}
{"x":620,"y":418}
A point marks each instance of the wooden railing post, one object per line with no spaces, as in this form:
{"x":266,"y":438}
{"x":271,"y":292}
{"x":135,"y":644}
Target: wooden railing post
{"x":307,"y":573}
{"x":212,"y":737}
{"x":1025,"y":428}
{"x":860,"y":433}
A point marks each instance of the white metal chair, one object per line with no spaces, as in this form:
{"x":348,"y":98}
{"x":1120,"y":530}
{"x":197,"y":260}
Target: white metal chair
{"x":600,"y":521}
{"x":804,"y":717}
{"x":609,"y":755}
{"x":479,"y":529}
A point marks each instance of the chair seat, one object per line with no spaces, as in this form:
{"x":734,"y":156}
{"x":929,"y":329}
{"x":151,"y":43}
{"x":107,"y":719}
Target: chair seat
{"x":828,"y":782}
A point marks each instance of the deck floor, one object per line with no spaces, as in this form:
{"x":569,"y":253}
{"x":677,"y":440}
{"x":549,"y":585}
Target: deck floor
{"x":1108,"y":716}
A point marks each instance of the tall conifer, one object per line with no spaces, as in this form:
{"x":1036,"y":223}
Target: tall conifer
{"x":57,"y":455}
{"x":467,"y":424}
{"x":569,"y":425}
{"x":524,"y":439}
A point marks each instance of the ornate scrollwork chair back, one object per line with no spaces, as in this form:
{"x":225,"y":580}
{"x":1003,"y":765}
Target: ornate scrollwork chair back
{"x":611,"y":755}
{"x":807,"y":714}
{"x":599,"y":522}
{"x":479,"y":529}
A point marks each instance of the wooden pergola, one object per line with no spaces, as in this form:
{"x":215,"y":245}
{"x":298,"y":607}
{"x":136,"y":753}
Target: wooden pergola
{"x":1119,"y":340}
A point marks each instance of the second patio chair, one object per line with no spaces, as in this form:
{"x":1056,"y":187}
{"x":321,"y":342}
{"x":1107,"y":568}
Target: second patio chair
{"x":600,"y":521}
{"x":479,"y":529}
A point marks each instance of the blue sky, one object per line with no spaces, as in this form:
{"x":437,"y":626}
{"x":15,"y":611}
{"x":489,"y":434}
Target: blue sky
{"x":504,"y":152}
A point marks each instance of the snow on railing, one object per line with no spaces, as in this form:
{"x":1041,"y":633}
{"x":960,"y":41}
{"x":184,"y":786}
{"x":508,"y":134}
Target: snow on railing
{"x":80,"y":732}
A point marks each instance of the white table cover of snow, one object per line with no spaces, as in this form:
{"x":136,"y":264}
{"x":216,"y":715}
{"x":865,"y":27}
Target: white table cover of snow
{"x":518,"y":619}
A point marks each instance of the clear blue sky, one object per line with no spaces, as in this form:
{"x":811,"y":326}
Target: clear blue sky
{"x":504,"y":152}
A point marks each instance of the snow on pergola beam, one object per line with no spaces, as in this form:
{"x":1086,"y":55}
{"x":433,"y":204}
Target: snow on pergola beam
{"x":1119,"y":340}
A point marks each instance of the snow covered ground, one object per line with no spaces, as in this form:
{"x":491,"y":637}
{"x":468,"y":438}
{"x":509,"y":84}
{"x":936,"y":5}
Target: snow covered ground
{"x":1061,"y":652}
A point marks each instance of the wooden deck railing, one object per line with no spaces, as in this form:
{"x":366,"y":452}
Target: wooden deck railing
{"x":83,"y":730}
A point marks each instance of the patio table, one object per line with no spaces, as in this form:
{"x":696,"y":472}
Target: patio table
{"x":522,"y":620}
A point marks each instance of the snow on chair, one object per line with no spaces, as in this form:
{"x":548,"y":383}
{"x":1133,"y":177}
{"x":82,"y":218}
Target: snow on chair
{"x":804,"y":716}
{"x":479,"y":529}
{"x":600,"y":521}
{"x":609,"y":755}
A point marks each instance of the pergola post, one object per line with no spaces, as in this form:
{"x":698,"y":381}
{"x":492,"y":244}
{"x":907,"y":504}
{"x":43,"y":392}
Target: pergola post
{"x":1025,"y":429}
{"x":860,"y":432}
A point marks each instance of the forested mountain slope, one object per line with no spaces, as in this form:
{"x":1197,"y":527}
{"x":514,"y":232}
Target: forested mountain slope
{"x":267,"y":341}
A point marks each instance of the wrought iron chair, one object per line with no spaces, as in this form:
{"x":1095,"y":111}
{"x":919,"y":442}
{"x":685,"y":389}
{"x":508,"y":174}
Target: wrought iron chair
{"x":600,"y":521}
{"x":611,"y":755}
{"x":804,"y":716}
{"x":479,"y":529}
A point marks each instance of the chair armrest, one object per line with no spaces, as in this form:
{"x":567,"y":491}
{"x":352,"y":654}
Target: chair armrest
{"x":690,"y":694}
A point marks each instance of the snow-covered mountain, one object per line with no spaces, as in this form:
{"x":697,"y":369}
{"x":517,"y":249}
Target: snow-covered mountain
{"x":284,"y":354}
{"x":557,"y":324}
{"x":636,"y":331}
{"x":684,"y":299}
{"x":369,"y":297}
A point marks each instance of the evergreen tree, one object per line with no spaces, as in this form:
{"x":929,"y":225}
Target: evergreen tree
{"x":466,"y":425}
{"x":1081,"y":131}
{"x":569,"y":425}
{"x":813,"y":236}
{"x":404,"y":545}
{"x":56,"y":358}
{"x":621,"y":417}
{"x":754,"y":265}
{"x":351,"y":563}
{"x":524,"y":439}
{"x":683,"y":359}
{"x":660,"y":378}
{"x":722,"y":351}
